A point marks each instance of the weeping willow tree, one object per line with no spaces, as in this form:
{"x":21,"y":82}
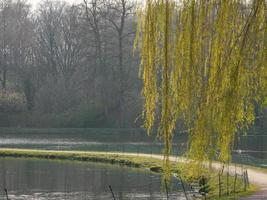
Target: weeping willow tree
{"x":203,"y":62}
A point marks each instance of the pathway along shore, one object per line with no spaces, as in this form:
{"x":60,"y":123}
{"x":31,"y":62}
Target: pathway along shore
{"x":255,"y":175}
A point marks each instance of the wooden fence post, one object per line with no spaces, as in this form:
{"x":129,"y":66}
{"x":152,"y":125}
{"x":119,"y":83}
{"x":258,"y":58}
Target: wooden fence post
{"x":182,"y":183}
{"x":235,"y":182}
{"x":113,"y":196}
{"x":166,"y":188}
{"x":220,"y":191}
{"x":6,"y":194}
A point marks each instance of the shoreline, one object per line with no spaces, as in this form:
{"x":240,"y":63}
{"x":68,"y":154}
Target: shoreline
{"x":145,"y":161}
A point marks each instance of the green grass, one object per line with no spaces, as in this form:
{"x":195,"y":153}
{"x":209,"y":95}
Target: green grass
{"x":232,"y":195}
{"x":137,"y":162}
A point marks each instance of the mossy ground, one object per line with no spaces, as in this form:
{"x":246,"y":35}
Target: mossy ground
{"x":139,"y":162}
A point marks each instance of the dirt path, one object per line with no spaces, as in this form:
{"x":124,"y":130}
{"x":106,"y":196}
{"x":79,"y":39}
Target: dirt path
{"x":255,"y":176}
{"x":260,"y":195}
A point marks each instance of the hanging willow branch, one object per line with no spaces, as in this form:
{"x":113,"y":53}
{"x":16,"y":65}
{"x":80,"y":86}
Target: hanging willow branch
{"x":203,"y":62}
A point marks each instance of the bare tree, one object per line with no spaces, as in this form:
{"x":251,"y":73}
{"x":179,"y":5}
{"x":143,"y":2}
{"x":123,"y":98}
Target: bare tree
{"x":119,"y":13}
{"x":5,"y":7}
{"x":48,"y":35}
{"x":97,"y":27}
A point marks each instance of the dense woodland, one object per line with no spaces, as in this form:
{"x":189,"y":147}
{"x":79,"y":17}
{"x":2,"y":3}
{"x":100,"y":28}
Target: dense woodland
{"x":68,"y":66}
{"x":65,"y":65}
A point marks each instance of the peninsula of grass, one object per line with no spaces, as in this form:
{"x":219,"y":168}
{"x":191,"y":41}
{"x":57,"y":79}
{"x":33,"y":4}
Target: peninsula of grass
{"x":150,"y":163}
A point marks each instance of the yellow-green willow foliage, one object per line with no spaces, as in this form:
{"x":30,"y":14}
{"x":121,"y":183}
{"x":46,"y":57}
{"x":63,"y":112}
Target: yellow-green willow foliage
{"x":203,"y":62}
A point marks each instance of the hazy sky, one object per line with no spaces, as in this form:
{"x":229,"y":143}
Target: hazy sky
{"x":35,"y":2}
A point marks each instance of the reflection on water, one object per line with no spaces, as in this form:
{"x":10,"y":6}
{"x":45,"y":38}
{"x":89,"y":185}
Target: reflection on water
{"x":249,"y":149}
{"x":87,"y":196}
{"x":121,"y":141}
{"x":29,"y":179}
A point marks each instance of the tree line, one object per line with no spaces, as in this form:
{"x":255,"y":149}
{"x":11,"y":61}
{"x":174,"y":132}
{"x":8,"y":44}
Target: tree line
{"x":64,"y":65}
{"x":68,"y":65}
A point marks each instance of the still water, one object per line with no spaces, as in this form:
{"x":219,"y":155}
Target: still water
{"x":128,"y":140}
{"x":33,"y":179}
{"x":251,"y":149}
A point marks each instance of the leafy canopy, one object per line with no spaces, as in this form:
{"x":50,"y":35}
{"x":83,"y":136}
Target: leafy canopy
{"x":203,"y":62}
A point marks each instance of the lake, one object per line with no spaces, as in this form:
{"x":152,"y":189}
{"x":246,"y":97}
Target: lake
{"x":250,"y":149}
{"x":31,"y":179}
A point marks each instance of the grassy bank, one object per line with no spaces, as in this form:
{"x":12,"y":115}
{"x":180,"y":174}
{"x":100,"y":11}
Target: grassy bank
{"x":150,"y":163}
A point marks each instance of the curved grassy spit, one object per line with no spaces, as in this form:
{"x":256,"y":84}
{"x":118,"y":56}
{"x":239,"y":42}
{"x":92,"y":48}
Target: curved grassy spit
{"x":136,"y":161}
